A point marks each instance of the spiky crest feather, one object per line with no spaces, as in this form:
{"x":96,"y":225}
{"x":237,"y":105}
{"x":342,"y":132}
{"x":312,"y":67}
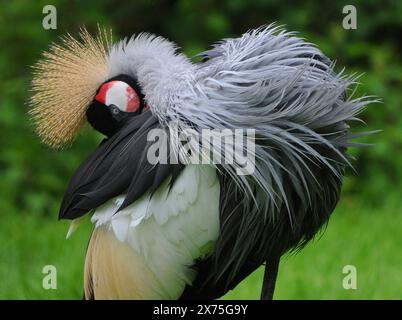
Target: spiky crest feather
{"x":64,"y":84}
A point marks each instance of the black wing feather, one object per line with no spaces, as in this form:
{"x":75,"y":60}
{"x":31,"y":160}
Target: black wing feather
{"x":118,"y":166}
{"x":240,"y":251}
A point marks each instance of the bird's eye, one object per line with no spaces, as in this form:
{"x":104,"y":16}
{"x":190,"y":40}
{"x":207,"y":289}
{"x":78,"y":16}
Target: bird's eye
{"x":115,"y":110}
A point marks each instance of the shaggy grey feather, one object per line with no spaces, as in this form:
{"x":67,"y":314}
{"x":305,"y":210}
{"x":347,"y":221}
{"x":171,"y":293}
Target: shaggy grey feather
{"x":287,"y":90}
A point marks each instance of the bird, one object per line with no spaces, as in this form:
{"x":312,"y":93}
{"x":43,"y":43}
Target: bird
{"x":178,"y":228}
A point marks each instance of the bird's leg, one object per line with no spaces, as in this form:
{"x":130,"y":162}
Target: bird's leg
{"x":270,"y":274}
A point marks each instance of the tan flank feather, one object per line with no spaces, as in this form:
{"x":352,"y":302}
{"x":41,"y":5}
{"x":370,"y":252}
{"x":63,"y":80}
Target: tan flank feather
{"x":113,"y":270}
{"x":64,"y":84}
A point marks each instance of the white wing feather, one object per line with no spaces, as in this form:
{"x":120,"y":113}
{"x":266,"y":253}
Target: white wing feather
{"x":171,"y":229}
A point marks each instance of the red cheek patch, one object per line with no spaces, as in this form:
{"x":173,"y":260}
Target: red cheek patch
{"x":101,"y":96}
{"x":133,"y":101}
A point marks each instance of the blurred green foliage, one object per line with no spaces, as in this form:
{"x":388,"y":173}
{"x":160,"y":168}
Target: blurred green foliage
{"x":314,"y":273}
{"x":33,"y":177}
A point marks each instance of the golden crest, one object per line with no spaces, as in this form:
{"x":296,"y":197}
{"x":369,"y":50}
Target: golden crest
{"x":64,"y":84}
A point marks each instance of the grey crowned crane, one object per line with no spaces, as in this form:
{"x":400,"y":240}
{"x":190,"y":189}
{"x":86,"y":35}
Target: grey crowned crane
{"x":181,"y":229}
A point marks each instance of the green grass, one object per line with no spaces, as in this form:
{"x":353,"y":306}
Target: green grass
{"x":369,"y":239}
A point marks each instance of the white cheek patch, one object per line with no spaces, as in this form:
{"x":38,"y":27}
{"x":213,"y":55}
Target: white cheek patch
{"x":117,"y":95}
